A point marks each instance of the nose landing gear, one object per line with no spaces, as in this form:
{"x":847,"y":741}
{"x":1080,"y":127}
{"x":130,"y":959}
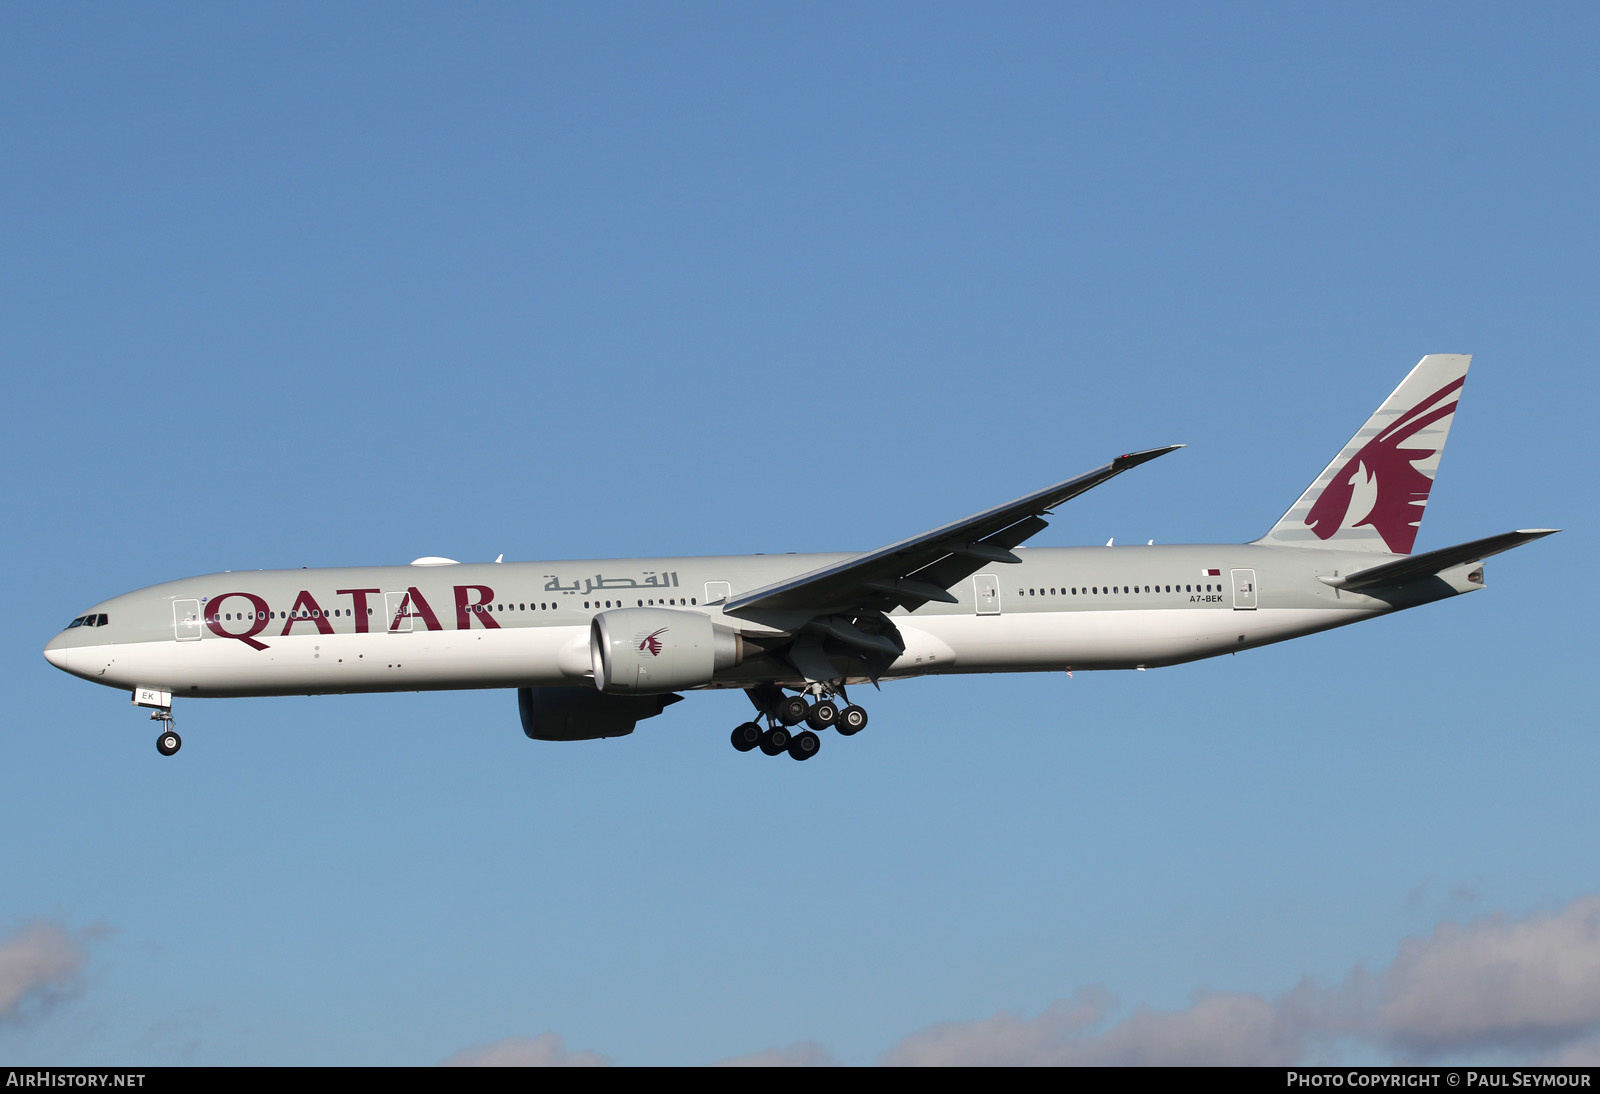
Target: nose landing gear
{"x":168,"y":742}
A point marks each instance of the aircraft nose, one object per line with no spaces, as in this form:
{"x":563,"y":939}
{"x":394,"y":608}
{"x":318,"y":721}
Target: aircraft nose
{"x":58,"y":653}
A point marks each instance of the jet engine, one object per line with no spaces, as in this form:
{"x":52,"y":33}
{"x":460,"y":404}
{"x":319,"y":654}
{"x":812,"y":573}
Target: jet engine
{"x":578,"y":714}
{"x":643,"y":651}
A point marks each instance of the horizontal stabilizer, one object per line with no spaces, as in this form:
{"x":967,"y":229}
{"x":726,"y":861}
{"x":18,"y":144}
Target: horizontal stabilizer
{"x":1433,"y":562}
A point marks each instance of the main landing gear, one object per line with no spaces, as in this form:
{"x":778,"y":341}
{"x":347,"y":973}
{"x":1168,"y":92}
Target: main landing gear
{"x":168,"y":742}
{"x":783,"y":712}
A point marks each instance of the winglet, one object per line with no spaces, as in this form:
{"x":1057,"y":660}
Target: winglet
{"x":1134,"y":459}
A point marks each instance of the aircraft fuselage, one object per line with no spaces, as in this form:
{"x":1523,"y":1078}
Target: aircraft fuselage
{"x":522,"y":624}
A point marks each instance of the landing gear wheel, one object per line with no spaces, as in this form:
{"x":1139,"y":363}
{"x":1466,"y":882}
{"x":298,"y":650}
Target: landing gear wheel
{"x":168,"y":743}
{"x":747,"y":736}
{"x":793,"y":710}
{"x":852,"y":720}
{"x":804,"y":745}
{"x":775,"y":740}
{"x":822,"y":714}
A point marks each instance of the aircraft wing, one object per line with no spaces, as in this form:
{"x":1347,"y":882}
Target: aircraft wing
{"x":916,"y":570}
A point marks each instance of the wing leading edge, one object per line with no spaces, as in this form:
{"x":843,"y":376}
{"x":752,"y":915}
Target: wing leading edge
{"x":914,"y":571}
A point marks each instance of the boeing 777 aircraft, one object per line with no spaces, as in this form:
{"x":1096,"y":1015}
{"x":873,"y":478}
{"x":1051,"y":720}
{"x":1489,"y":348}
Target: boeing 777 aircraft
{"x":594,"y":647}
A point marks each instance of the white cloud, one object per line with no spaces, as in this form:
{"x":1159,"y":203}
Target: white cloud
{"x":1585,"y":1053}
{"x":1492,"y":985}
{"x":1536,"y":982}
{"x":545,"y":1050}
{"x":1216,"y":1029}
{"x":38,"y":964}
{"x":1489,"y":985}
{"x":1004,"y":1038}
{"x":799,"y":1054}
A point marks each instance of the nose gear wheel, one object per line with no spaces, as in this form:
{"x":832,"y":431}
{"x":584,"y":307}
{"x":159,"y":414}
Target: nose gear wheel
{"x":168,"y":742}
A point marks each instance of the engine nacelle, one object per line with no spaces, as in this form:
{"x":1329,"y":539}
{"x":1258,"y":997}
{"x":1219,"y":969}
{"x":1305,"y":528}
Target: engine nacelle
{"x":642,"y":651}
{"x":578,"y":714}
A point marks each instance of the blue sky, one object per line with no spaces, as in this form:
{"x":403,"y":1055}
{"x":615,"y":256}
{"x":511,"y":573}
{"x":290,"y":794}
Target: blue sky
{"x":318,"y":285}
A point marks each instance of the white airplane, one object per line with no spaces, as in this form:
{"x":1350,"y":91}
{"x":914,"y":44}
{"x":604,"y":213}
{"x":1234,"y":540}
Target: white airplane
{"x":594,"y":647}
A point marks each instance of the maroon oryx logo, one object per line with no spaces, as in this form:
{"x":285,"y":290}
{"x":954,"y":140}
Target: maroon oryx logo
{"x":1392,"y":490}
{"x":652,"y":643}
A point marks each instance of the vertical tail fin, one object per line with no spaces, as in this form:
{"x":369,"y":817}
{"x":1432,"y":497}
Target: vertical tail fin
{"x":1371,"y":497}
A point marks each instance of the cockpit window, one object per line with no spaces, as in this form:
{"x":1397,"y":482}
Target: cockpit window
{"x":78,"y":622}
{"x":93,"y":619}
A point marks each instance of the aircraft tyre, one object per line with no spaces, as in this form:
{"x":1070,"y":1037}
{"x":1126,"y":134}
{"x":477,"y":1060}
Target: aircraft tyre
{"x":793,"y":710}
{"x":168,"y":743}
{"x":822,"y":714}
{"x":775,"y":740}
{"x":852,"y":720}
{"x":747,"y":736}
{"x":804,"y":745}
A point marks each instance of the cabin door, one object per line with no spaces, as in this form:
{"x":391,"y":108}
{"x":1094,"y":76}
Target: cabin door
{"x":186,"y":620}
{"x":1244,"y":589}
{"x":397,"y":612}
{"x":986,"y":594}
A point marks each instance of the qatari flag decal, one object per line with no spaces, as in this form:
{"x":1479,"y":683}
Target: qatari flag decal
{"x":1210,"y":573}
